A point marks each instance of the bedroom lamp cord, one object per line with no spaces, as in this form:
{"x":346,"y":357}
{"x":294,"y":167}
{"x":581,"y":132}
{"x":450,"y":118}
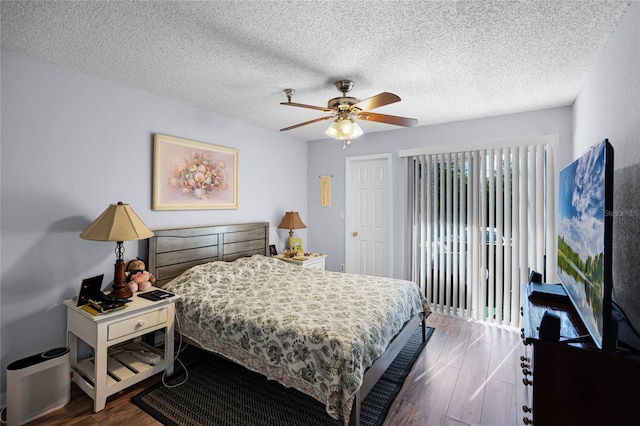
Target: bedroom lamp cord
{"x":176,"y":358}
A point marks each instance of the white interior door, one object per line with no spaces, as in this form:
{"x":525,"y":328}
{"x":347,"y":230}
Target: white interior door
{"x":369,"y":216}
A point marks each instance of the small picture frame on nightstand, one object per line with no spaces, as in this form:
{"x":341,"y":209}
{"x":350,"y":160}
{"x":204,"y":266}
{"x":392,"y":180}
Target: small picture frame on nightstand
{"x":297,"y":245}
{"x":90,"y":289}
{"x":272,"y":250}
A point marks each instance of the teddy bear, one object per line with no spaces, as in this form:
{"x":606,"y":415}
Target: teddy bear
{"x":138,"y":278}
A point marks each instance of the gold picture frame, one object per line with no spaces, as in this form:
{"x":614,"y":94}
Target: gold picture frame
{"x":190,"y":175}
{"x":297,"y":245}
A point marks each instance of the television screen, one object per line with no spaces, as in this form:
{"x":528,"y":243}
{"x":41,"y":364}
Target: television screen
{"x":584,"y":236}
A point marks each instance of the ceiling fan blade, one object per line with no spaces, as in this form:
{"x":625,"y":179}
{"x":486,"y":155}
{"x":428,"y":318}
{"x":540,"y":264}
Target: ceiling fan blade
{"x":388,"y":119}
{"x":381,"y":99}
{"x":325,"y":109}
{"x":307,"y":122}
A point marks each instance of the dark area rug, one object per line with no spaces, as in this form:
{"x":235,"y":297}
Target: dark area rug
{"x":221,"y":393}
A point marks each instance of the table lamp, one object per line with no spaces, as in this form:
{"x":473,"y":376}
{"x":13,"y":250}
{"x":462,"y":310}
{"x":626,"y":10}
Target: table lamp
{"x":291,"y":221}
{"x":118,"y":223}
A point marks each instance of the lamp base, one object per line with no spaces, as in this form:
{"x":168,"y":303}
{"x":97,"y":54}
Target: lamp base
{"x":291,"y":239}
{"x":120,"y":288}
{"x":121,"y":291}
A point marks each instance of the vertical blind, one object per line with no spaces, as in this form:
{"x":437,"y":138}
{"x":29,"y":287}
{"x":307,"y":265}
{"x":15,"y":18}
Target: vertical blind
{"x":480,"y":221}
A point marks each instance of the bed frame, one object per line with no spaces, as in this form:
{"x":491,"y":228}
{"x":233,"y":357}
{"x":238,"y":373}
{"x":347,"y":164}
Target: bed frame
{"x":173,"y":251}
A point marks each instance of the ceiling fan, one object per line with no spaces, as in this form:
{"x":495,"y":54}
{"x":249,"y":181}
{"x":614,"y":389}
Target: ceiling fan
{"x":345,"y":108}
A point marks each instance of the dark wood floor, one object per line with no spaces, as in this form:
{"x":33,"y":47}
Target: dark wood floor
{"x":469,"y":374}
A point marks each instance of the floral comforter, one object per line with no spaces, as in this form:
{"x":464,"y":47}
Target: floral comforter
{"x":316,"y":331}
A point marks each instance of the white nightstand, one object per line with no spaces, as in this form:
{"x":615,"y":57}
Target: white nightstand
{"x":314,"y":260}
{"x":113,"y":368}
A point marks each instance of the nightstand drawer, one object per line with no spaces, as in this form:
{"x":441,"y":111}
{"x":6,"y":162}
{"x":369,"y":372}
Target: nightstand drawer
{"x":135,"y":324}
{"x":316,"y":265}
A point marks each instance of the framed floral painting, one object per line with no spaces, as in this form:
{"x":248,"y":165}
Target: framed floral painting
{"x":190,"y":175}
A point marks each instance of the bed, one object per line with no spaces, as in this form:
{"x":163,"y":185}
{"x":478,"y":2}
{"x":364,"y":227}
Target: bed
{"x":286,"y":322}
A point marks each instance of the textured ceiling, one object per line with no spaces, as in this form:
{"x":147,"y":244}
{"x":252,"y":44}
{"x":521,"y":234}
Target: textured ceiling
{"x":447,"y":60}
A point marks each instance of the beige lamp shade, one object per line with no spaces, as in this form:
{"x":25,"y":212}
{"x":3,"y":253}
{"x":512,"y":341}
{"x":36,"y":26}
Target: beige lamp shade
{"x":291,"y":221}
{"x":117,"y":223}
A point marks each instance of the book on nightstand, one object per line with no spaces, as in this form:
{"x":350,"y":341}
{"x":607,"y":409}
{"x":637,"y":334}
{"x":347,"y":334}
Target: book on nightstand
{"x":99,"y":307}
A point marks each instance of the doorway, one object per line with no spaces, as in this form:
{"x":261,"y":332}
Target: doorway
{"x":369,"y":214}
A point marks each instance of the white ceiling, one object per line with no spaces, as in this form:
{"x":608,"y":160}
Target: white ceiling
{"x":447,"y":60}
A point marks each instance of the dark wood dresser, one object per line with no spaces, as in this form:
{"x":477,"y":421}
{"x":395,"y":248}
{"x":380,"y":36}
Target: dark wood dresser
{"x":574,"y":383}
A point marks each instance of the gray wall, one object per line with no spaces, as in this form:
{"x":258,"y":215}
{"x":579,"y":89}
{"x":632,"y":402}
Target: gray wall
{"x":71,"y":145}
{"x":609,"y":107}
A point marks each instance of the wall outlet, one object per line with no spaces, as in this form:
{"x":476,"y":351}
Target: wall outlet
{"x":342,"y":267}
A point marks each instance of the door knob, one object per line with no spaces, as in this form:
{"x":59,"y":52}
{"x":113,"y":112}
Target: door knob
{"x":355,"y":233}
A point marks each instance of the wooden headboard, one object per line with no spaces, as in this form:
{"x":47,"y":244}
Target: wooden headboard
{"x":173,"y":251}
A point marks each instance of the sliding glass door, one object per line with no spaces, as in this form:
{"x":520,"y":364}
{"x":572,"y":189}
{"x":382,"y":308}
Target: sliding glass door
{"x":481,"y":220}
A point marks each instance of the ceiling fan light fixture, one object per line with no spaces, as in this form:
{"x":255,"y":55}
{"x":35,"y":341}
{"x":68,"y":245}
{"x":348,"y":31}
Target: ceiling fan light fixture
{"x":333,"y":130}
{"x":344,"y":129}
{"x":355,"y":130}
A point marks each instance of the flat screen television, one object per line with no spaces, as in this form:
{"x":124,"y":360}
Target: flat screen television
{"x":585,"y":202}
